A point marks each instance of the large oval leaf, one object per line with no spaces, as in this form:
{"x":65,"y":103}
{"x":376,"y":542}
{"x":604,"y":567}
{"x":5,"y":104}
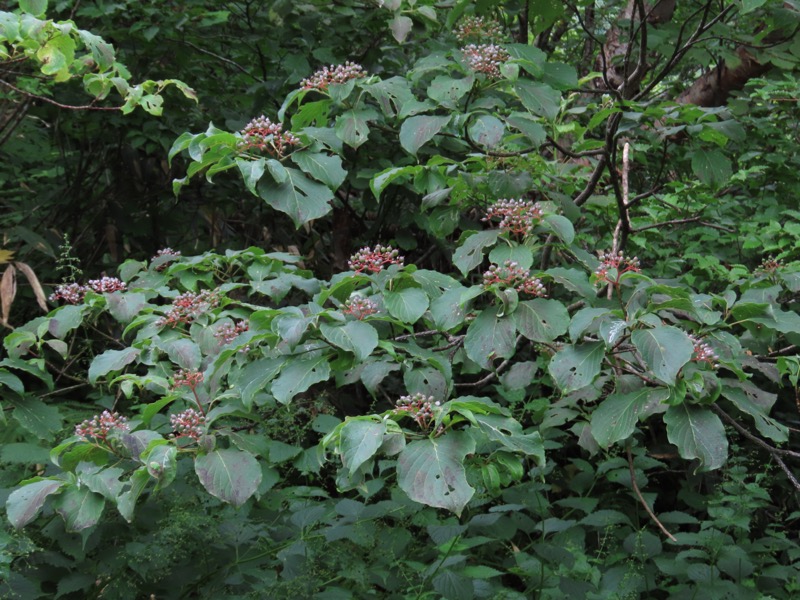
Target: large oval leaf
{"x":431,"y":471}
{"x":698,"y":433}
{"x":664,"y":349}
{"x":230,"y":475}
{"x":575,"y":367}
{"x":355,"y":336}
{"x":407,"y":305}
{"x":418,"y":131}
{"x":541,"y":320}
{"x":359,"y":441}
{"x":490,"y":337}
{"x":24,"y":503}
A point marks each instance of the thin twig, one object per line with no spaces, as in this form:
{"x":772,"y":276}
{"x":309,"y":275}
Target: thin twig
{"x":771,"y":449}
{"x":642,"y":500}
{"x":501,"y":367}
{"x":54,"y":103}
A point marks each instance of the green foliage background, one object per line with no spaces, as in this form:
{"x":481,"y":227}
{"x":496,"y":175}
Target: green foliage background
{"x":573,"y":441}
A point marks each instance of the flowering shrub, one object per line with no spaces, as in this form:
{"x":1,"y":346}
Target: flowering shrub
{"x":188,"y":424}
{"x":98,"y":428}
{"x":262,"y":135}
{"x":374,"y":260}
{"x":326,"y":76}
{"x":360,"y":307}
{"x":518,"y":217}
{"x":188,"y":306}
{"x":485,"y":58}
{"x":479,"y":29}
{"x":511,"y":275}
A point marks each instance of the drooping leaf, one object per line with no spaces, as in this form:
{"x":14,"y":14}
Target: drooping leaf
{"x":354,"y":336}
{"x":470,"y":254}
{"x":299,"y":197}
{"x":698,"y":433}
{"x":230,"y":475}
{"x":431,"y":471}
{"x":25,"y":502}
{"x":711,"y":167}
{"x":664,"y":349}
{"x":359,"y":441}
{"x":111,"y":360}
{"x":80,"y":507}
{"x":490,"y":336}
{"x":539,"y":98}
{"x":616,"y":417}
{"x":326,"y":168}
{"x":299,"y":375}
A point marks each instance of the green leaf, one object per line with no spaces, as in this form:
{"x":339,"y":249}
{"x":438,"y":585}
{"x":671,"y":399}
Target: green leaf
{"x":453,"y":586}
{"x":486,"y":131}
{"x":184,"y":353}
{"x":541,"y":320}
{"x":417,"y":131}
{"x":230,"y":475}
{"x":352,"y":127}
{"x":162,"y":464}
{"x":277,"y":171}
{"x":539,"y":98}
{"x":299,"y":375}
{"x":616,"y":417}
{"x":24,"y":503}
{"x":126,"y":503}
{"x":252,"y":171}
{"x":447,"y":91}
{"x":354,"y":336}
{"x":401,"y":27}
{"x":470,"y":254}
{"x":124,"y":307}
{"x":65,"y":319}
{"x":431,"y":471}
{"x":13,"y":382}
{"x":35,"y":7}
{"x":490,"y":336}
{"x":529,"y":127}
{"x":407,"y":305}
{"x":42,"y":420}
{"x":80,"y":507}
{"x":359,"y":441}
{"x":698,"y":433}
{"x":751,"y":5}
{"x":382,"y":180}
{"x":322,"y":167}
{"x":299,"y":197}
{"x":755,"y":402}
{"x":574,"y":367}
{"x":664,"y":349}
{"x":508,"y":432}
{"x":111,"y":360}
{"x":711,"y":167}
{"x":562,"y":227}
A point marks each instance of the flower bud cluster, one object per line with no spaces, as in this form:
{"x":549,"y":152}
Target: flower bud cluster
{"x":188,"y":306}
{"x":188,"y":424}
{"x":227,"y":333}
{"x":262,"y":135}
{"x":518,"y":217}
{"x":360,"y":307}
{"x":71,"y":293}
{"x":618,"y":262}
{"x":107,"y":285}
{"x":333,"y":74}
{"x":167,"y":255}
{"x":99,"y":426}
{"x":510,"y":274}
{"x":485,"y":58}
{"x":770,"y":265}
{"x":478,"y":29}
{"x":374,"y":260}
{"x":419,"y":407}
{"x":704,"y":353}
{"x":187,"y":377}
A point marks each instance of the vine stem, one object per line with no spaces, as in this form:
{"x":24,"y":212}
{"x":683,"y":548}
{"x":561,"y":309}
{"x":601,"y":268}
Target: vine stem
{"x":641,"y":498}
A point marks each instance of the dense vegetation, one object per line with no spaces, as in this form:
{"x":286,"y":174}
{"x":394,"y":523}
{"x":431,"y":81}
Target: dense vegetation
{"x":399,"y":299}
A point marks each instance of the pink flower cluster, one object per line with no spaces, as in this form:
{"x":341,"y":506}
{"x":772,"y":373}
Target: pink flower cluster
{"x":73,"y":293}
{"x":360,"y":307}
{"x":99,"y":426}
{"x":333,"y":74}
{"x":510,"y":274}
{"x":477,"y":29}
{"x":419,"y":407}
{"x":263,"y":135}
{"x":617,"y":262}
{"x":188,"y":306}
{"x":374,"y":260}
{"x":770,"y":265}
{"x":187,"y":377}
{"x":227,"y":333}
{"x":518,"y":217}
{"x":485,"y":58}
{"x":704,"y":353}
{"x":188,"y":424}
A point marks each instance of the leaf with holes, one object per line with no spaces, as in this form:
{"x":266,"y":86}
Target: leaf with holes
{"x":541,"y":320}
{"x":418,"y":131}
{"x":575,"y":366}
{"x":359,"y":440}
{"x":299,"y":197}
{"x":470,"y":254}
{"x":490,"y":336}
{"x":431,"y":471}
